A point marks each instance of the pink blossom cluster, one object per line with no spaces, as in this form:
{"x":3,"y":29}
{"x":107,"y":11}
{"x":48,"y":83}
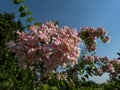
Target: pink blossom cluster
{"x":103,"y":64}
{"x":54,"y":45}
{"x":112,"y":67}
{"x":89,"y":35}
{"x":93,"y":59}
{"x":48,"y":43}
{"x":116,"y":68}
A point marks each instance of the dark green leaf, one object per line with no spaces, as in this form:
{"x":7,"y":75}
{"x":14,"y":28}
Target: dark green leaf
{"x":86,"y":76}
{"x":18,"y":1}
{"x":83,"y":79}
{"x":22,"y":8}
{"x":23,"y":14}
{"x":56,"y":22}
{"x":118,"y":54}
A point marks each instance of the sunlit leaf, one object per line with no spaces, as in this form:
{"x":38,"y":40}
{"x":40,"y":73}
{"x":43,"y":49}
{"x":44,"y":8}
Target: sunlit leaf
{"x":29,"y":12}
{"x":30,"y":19}
{"x":38,"y":23}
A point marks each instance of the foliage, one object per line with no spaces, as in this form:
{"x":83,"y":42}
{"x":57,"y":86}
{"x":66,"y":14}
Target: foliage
{"x":25,"y":12}
{"x":53,"y":46}
{"x":11,"y":75}
{"x":48,"y":57}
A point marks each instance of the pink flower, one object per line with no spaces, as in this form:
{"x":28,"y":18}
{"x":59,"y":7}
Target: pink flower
{"x":89,"y":59}
{"x":12,"y":46}
{"x":88,"y":35}
{"x":99,"y":72}
{"x":54,"y":45}
{"x":115,"y":62}
{"x":101,"y":31}
{"x":110,"y":68}
{"x":96,"y":58}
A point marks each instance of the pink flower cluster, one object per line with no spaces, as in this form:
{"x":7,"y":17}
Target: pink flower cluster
{"x":103,"y":64}
{"x":89,"y":35}
{"x":93,"y":59}
{"x":48,"y":43}
{"x":55,"y":46}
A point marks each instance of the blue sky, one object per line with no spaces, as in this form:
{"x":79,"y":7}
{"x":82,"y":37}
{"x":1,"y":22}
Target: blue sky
{"x":78,"y":14}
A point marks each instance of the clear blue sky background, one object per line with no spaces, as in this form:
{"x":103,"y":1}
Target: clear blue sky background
{"x":78,"y":14}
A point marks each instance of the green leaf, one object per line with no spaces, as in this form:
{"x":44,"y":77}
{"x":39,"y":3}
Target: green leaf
{"x":29,"y":12}
{"x":45,"y":87}
{"x":18,"y":1}
{"x":56,"y":22}
{"x":38,"y":23}
{"x":83,"y":79}
{"x":86,"y":76}
{"x":22,"y":0}
{"x":30,"y":19}
{"x":104,"y":39}
{"x":22,"y":8}
{"x":23,"y":14}
{"x":62,"y":83}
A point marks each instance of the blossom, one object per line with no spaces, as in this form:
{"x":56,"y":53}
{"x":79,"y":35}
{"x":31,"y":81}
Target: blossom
{"x":99,"y":71}
{"x":54,"y":46}
{"x":89,"y":35}
{"x":115,"y":62}
{"x":89,"y":59}
{"x":110,"y":68}
{"x":49,"y":43}
{"x":96,"y":58}
{"x":101,"y":32}
{"x":12,"y":46}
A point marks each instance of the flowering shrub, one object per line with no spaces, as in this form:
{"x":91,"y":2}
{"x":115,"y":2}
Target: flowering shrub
{"x":43,"y":48}
{"x":49,"y":46}
{"x":55,"y":46}
{"x":48,"y":43}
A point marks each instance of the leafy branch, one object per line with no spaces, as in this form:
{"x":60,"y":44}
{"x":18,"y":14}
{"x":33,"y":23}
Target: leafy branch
{"x":25,"y":12}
